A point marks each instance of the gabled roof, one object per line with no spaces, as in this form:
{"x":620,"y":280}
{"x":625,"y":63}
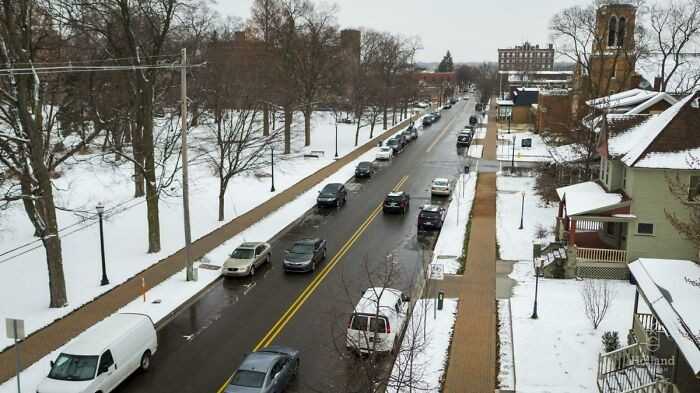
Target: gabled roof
{"x":642,"y":155}
{"x":659,"y":97}
{"x":672,"y":290}
{"x":587,"y":197}
{"x":624,"y":101}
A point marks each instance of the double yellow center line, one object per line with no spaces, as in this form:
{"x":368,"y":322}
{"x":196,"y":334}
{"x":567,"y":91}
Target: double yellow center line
{"x":309,"y":290}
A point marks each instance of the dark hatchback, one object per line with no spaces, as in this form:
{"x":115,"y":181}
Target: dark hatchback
{"x":364,"y":169}
{"x":431,"y":217}
{"x":333,"y":194}
{"x":428,"y":120}
{"x":304,"y":255}
{"x":395,"y":145}
{"x":396,"y":202}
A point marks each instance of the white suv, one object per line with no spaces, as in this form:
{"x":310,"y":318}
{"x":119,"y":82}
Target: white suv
{"x":378,"y":321}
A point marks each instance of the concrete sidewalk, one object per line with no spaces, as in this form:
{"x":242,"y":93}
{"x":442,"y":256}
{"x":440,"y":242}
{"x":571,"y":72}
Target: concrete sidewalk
{"x":472,"y":359}
{"x":59,"y":332}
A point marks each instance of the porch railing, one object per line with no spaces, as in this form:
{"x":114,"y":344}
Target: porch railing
{"x":603,"y":255}
{"x":588,"y":226}
{"x":655,"y":387}
{"x":625,"y":370}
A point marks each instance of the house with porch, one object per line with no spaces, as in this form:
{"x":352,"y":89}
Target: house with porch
{"x":663,"y":351}
{"x":649,"y":171}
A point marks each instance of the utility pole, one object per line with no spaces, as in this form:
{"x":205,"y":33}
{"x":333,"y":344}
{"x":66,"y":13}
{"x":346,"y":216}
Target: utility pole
{"x":185,"y":181}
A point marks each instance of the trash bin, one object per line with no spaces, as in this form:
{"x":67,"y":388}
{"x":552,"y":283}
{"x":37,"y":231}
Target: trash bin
{"x":441,"y":299}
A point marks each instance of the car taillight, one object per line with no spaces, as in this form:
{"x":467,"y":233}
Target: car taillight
{"x":388,"y":326}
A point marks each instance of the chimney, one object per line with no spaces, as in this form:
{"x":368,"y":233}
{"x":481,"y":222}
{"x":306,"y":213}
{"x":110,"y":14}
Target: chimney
{"x":657,"y":83}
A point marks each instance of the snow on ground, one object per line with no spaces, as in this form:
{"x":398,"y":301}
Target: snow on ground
{"x":537,"y":152}
{"x":88,"y":180}
{"x":429,"y":360}
{"x":175,"y":291}
{"x":450,"y":243}
{"x":475,"y":151}
{"x":516,"y":244}
{"x":558,"y":352}
{"x":506,"y":377}
{"x":480,"y":133}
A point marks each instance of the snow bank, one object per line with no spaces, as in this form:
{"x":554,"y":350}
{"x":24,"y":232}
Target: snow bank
{"x":506,"y":374}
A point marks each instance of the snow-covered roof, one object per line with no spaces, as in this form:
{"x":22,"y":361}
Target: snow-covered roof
{"x":625,"y":99}
{"x":376,"y":299}
{"x":672,"y":290}
{"x":567,"y":153}
{"x":647,"y":132}
{"x":587,"y":197}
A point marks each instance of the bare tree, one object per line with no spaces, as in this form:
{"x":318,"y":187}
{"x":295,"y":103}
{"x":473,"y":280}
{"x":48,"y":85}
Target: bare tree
{"x":597,"y":297}
{"x":675,"y":26}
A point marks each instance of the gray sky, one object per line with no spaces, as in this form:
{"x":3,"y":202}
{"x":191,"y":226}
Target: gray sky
{"x":472,"y":30}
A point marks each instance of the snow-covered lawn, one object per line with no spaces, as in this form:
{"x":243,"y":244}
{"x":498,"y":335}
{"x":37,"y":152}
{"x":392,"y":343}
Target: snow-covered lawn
{"x":173,"y":292}
{"x":87,"y":180}
{"x":430,"y":356}
{"x":450,"y":242}
{"x":537,"y":152}
{"x":558,"y":352}
{"x":516,"y":244}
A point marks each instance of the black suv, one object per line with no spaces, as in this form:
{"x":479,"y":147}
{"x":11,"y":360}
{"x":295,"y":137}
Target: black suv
{"x":428,"y":120}
{"x":364,"y":169}
{"x":473,"y":120}
{"x":396,"y":202}
{"x":395,"y":145}
{"x":431,"y":217}
{"x":464,"y":139}
{"x":436,"y":116}
{"x":333,"y":194}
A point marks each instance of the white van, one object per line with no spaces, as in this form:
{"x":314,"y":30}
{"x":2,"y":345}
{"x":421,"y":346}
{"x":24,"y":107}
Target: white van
{"x":103,"y":356}
{"x":378,"y":321}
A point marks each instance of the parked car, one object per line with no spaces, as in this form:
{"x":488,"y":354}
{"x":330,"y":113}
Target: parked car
{"x":407,"y":134}
{"x":384,"y":153}
{"x":246,"y":258}
{"x":447,"y":106}
{"x":103,"y":356}
{"x":464,"y":138}
{"x":396,"y":202}
{"x":413,"y":132}
{"x":378,"y":321}
{"x":333,"y":194}
{"x":431,"y":217}
{"x":428,"y":120}
{"x":402,"y":140}
{"x":436,"y":116}
{"x":395,"y":145}
{"x":473,"y":120}
{"x":453,"y":101}
{"x":364,"y":169}
{"x":440,"y":186}
{"x":304,"y":255}
{"x":268,"y":370}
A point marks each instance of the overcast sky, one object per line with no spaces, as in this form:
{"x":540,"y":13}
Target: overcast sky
{"x":472,"y":30}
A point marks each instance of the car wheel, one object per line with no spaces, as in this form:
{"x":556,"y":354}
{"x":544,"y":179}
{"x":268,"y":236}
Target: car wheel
{"x":337,"y":203}
{"x":295,"y":369}
{"x":325,"y":251}
{"x":252,"y":270}
{"x":268,"y":259}
{"x":313,"y":266}
{"x":145,"y":361}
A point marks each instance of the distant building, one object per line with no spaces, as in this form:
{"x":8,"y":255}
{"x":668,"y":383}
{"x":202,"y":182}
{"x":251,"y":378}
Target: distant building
{"x":437,"y":86}
{"x":526,"y":57}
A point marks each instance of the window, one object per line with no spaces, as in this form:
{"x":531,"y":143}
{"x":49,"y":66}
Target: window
{"x":612,"y":31}
{"x":694,"y":189}
{"x":106,"y":361}
{"x":621,"y":31}
{"x":645,"y":228}
{"x":610,"y":228}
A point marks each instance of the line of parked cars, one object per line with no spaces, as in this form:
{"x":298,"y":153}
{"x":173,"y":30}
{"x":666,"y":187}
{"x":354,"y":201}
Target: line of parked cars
{"x":431,"y":118}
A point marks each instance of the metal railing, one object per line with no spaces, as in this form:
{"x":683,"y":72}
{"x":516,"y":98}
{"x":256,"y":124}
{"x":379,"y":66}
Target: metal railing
{"x":630,"y":369}
{"x":603,"y":255}
{"x":588,"y":226}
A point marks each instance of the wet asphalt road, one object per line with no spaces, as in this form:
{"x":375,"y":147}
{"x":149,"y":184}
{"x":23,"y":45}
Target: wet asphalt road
{"x":203,"y":345}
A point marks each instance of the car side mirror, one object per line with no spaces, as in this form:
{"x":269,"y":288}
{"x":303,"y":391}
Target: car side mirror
{"x":52,"y":363}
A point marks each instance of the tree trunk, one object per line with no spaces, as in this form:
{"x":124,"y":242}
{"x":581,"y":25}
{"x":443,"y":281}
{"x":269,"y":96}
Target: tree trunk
{"x":357,"y":133}
{"x":222,"y":199}
{"x":150,"y":171}
{"x":393,"y":116}
{"x":266,"y":120}
{"x":373,"y":122}
{"x":137,"y":147}
{"x":288,"y":115}
{"x":307,"y":126}
{"x":386,"y":117}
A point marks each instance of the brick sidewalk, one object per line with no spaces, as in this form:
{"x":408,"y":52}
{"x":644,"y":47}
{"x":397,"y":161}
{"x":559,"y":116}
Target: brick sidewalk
{"x":56,"y":334}
{"x":472,"y":360}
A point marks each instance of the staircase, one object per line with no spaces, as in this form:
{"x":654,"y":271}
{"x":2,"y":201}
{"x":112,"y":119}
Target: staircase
{"x":552,"y":260}
{"x":629,"y":370}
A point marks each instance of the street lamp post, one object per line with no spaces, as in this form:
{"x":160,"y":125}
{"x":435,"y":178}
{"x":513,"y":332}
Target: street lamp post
{"x":272,"y":163}
{"x":100,"y":210}
{"x":512,"y":159}
{"x":336,"y":140}
{"x":537,"y":282}
{"x":522,"y":209}
{"x":509,"y":116}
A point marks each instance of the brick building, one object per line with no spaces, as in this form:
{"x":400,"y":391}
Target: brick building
{"x":526,"y":57}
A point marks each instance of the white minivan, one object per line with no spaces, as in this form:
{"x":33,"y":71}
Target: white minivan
{"x":378,"y":321}
{"x":103,"y":356}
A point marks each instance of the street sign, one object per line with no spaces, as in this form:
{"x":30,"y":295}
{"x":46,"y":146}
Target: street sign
{"x":14,"y":328}
{"x":437,"y":271}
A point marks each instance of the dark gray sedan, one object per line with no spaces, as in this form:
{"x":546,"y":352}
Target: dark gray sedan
{"x":304,"y":255}
{"x":268,"y":370}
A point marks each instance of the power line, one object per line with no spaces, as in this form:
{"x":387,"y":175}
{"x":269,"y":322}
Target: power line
{"x":69,"y":62}
{"x":71,"y":68}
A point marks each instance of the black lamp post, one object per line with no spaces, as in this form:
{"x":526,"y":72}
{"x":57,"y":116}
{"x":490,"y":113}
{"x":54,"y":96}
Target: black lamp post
{"x":537,"y":282}
{"x":336,"y":140}
{"x":522,"y":209}
{"x":100,"y":210}
{"x":272,"y":163}
{"x":509,"y":116}
{"x":512,"y":159}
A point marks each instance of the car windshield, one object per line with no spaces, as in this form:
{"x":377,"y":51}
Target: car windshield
{"x":302,"y":249}
{"x":393,"y":198}
{"x":440,"y":183}
{"x":385,"y":149}
{"x":392,"y":142}
{"x":330,"y":189}
{"x":429,"y":214}
{"x":248,"y":379}
{"x":363,"y":165}
{"x":243,"y":253}
{"x":74,"y":368}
